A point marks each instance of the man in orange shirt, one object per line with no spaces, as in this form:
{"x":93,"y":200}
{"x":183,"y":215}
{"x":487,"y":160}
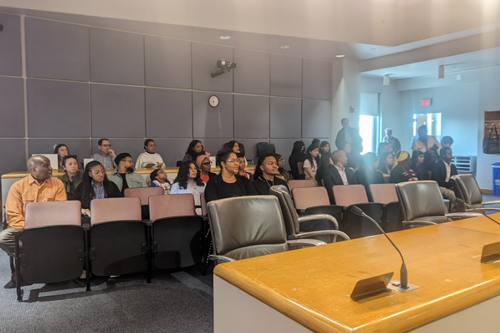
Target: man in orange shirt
{"x":38,"y":186}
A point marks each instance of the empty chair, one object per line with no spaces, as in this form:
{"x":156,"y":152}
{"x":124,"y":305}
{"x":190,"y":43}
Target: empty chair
{"x":118,"y":237}
{"x":301,"y":183}
{"x":355,"y":195}
{"x":467,"y":189}
{"x":386,"y":195}
{"x":143,"y":193}
{"x":422,"y":204}
{"x":53,"y":248}
{"x":250,"y":226}
{"x":318,"y":225}
{"x":176,"y":231}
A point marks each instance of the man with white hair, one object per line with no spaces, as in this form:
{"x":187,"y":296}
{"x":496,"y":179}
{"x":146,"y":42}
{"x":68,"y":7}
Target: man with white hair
{"x":394,"y":142}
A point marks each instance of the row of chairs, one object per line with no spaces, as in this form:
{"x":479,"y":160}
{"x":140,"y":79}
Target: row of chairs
{"x":57,"y":247}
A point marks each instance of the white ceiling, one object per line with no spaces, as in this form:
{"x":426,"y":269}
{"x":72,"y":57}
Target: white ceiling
{"x":405,"y":38}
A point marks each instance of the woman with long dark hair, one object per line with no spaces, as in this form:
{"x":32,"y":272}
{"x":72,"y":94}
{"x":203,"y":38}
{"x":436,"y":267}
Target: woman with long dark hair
{"x":418,"y":165}
{"x":94,"y":185}
{"x":188,"y":181}
{"x":311,"y":162}
{"x":194,"y":149}
{"x":386,"y":162}
{"x":228,"y":183}
{"x":282,"y":173}
{"x":297,"y":156}
{"x":61,"y":150}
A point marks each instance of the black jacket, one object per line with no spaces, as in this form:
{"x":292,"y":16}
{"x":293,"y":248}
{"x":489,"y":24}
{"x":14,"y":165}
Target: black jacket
{"x":439,"y":173}
{"x":113,"y":193}
{"x":293,"y":160}
{"x":218,"y":189}
{"x":262,"y":187}
{"x":332,"y":177}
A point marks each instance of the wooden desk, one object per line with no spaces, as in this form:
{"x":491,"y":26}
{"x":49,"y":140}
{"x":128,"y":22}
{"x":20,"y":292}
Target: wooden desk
{"x":308,"y":290}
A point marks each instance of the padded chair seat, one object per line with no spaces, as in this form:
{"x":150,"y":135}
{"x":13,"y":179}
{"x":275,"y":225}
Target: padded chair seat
{"x":256,"y":251}
{"x":437,"y":219}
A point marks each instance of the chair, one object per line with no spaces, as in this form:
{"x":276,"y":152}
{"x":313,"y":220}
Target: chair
{"x":317,"y":225}
{"x":250,"y":226}
{"x":467,"y":189}
{"x":118,"y":237}
{"x":53,"y":248}
{"x":293,"y":183}
{"x":143,"y":193}
{"x":265,"y":148}
{"x":422,"y":204}
{"x":386,"y":195}
{"x":176,"y":231}
{"x":355,"y":195}
{"x":300,"y":166}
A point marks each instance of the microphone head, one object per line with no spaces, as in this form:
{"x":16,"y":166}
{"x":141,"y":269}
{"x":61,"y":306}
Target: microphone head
{"x":358,"y":211}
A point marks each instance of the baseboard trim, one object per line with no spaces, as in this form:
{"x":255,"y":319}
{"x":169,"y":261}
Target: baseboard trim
{"x":487,"y":191}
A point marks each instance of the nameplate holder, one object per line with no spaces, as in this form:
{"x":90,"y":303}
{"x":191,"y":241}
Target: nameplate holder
{"x":491,"y":252}
{"x":371,"y":286}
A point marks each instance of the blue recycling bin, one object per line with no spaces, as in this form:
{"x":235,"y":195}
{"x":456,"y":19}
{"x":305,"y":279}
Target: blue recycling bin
{"x":496,"y":178}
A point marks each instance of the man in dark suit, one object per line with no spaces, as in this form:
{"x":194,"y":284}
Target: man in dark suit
{"x":338,"y":174}
{"x":442,"y":171}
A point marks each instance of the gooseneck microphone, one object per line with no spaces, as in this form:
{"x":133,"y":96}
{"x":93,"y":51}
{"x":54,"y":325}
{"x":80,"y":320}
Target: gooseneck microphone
{"x":403,"y":273}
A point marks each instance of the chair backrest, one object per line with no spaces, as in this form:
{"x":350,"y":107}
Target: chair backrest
{"x":301,"y":183}
{"x":467,"y":189}
{"x":384,"y":193}
{"x":305,"y":197}
{"x":245,"y":227}
{"x":143,"y":193}
{"x":115,"y":209}
{"x":346,"y":195}
{"x":204,"y":208}
{"x":287,"y":208}
{"x":162,"y":206}
{"x":420,"y":199}
{"x":265,"y":148}
{"x":41,"y":214}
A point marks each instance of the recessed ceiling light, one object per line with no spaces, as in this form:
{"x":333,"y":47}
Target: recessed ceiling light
{"x":225,"y":37}
{"x":284,"y":47}
{"x":340,"y":55}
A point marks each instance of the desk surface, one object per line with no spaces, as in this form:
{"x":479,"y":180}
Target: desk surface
{"x":313,"y":285}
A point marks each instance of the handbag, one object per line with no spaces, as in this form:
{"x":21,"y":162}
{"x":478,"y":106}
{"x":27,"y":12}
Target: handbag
{"x":491,"y":143}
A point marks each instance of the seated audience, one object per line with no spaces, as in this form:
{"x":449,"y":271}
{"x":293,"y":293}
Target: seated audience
{"x":282,"y":173}
{"x":338,"y":173}
{"x":384,"y":147}
{"x":447,"y":141}
{"x":204,"y":165}
{"x":368,"y":173}
{"x":394,"y":142}
{"x":324,"y":150}
{"x":386,"y":162}
{"x":106,"y":155}
{"x":417,"y":165}
{"x":188,"y":181}
{"x":442,"y":171}
{"x":228,"y":183}
{"x":266,"y":172}
{"x":428,"y":145}
{"x":311,"y":162}
{"x":61,"y":150}
{"x":235,"y":147}
{"x":38,"y":186}
{"x":94,"y":185}
{"x":149,"y":159}
{"x":241,"y":167}
{"x":352,"y":159}
{"x":297,"y":156}
{"x":159,"y":179}
{"x":72,"y":176}
{"x":194,"y":149}
{"x":124,"y":177}
{"x":315,"y":141}
{"x":402,"y":172}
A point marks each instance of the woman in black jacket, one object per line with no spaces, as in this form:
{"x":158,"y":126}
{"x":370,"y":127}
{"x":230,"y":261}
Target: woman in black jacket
{"x":296,"y":157}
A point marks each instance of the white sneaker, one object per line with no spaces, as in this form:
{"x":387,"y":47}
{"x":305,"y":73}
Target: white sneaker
{"x":84,"y":275}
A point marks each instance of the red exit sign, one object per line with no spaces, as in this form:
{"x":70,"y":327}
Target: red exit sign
{"x":426,"y":102}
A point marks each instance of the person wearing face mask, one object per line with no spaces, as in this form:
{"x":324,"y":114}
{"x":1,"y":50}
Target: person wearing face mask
{"x":266,"y":172}
{"x":204,"y":165}
{"x":149,"y":159}
{"x":228,"y":183}
{"x":72,"y":176}
{"x":94,"y":185}
{"x":124,"y":177}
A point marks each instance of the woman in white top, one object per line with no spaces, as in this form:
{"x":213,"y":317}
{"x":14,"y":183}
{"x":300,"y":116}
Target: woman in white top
{"x":149,"y":159}
{"x":311,"y":162}
{"x":188,"y":181}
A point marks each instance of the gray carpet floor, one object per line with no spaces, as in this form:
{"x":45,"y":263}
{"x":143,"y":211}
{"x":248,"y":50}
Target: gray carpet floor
{"x":175,"y":301}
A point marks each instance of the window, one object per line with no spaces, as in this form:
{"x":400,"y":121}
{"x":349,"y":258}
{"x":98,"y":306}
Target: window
{"x":432,"y":120}
{"x":369,"y":121}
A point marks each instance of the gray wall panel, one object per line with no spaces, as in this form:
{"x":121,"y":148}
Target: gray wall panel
{"x":204,"y":60}
{"x":316,"y":115}
{"x":168,"y":62}
{"x":252,"y":74}
{"x":116,"y":57}
{"x":212,"y":145}
{"x":251,"y":117}
{"x":285,"y":117}
{"x":169,"y":113}
{"x":13,"y":153}
{"x":286,"y":76}
{"x":10,"y":39}
{"x":171,"y":150}
{"x":78,"y":147}
{"x":316,"y":79}
{"x":134,"y":147}
{"x":251,"y":147}
{"x":58,"y":109}
{"x":118,"y":111}
{"x":211,"y":122}
{"x":284,"y":148}
{"x":57,"y":50}
{"x":12,"y":109}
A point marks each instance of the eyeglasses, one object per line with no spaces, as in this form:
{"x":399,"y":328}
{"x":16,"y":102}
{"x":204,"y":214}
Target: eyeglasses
{"x":231,"y":161}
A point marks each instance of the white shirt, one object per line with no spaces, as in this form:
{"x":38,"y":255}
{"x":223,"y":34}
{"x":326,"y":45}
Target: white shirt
{"x":448,"y":171}
{"x":314,"y":167}
{"x":146,"y":158}
{"x":342,"y":175}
